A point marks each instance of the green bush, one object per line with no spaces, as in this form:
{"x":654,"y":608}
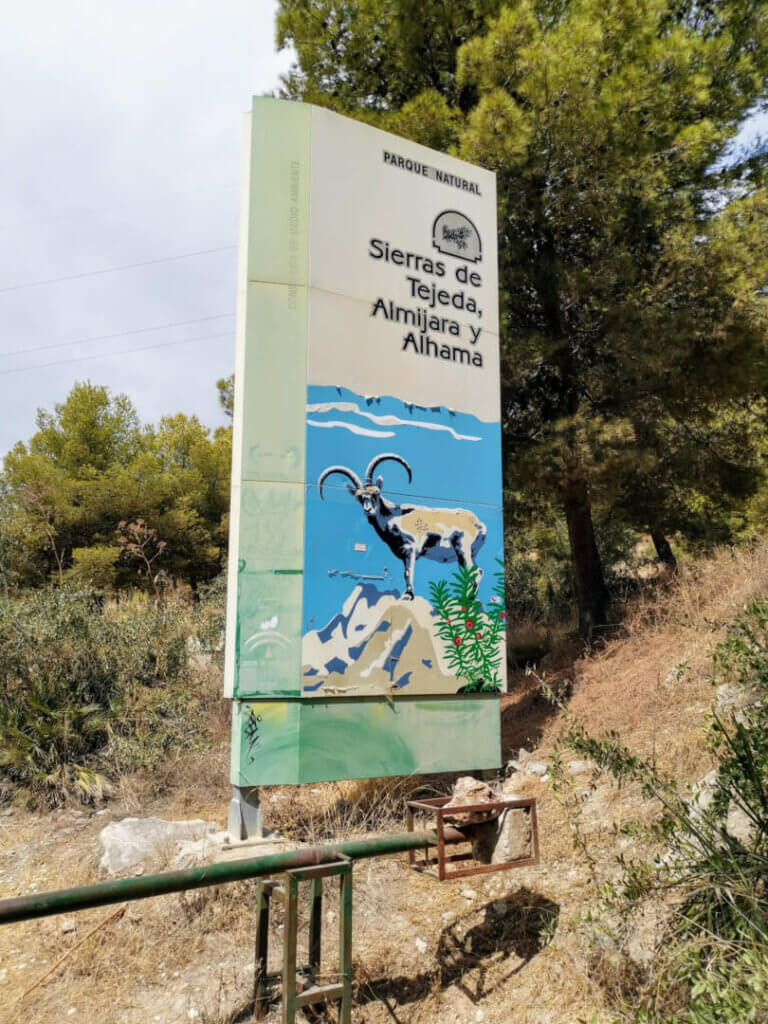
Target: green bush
{"x":472,"y":634}
{"x":72,"y":673}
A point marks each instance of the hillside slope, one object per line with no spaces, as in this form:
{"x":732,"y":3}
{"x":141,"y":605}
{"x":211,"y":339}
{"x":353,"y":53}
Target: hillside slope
{"x":496,"y":949}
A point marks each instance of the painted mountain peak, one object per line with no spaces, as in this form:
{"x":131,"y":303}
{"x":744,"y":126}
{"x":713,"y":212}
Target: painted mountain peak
{"x":381,"y":643}
{"x":377,"y":644}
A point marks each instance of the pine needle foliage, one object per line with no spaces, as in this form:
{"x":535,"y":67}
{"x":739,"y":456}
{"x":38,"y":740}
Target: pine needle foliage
{"x":632,"y":246}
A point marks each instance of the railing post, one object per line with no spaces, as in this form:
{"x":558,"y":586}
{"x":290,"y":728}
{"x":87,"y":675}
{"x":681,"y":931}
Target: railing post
{"x":290,"y":933}
{"x":345,"y":943}
{"x":260,"y":982}
{"x":315,"y":923}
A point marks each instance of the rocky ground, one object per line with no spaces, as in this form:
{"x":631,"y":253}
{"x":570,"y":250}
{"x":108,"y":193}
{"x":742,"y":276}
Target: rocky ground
{"x":497,"y":948}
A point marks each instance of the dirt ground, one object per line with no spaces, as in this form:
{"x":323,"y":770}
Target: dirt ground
{"x":498,"y":948}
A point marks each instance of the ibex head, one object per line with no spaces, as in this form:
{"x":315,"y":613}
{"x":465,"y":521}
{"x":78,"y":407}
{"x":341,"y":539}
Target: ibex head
{"x":368,"y":493}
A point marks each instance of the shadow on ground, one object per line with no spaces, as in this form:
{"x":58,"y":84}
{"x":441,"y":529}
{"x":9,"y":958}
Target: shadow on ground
{"x":510,"y":935}
{"x":525,"y":714}
{"x":509,"y":931}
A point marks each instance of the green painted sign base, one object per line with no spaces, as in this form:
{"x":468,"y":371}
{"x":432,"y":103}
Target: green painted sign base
{"x":320,"y":740}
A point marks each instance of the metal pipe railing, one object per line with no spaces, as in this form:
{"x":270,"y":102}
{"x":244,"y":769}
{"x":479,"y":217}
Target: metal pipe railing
{"x":44,"y":904}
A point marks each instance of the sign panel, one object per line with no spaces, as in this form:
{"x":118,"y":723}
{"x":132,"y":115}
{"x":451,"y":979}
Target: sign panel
{"x":366,"y":600}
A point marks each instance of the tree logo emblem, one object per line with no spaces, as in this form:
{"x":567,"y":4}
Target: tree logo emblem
{"x":454,"y":234}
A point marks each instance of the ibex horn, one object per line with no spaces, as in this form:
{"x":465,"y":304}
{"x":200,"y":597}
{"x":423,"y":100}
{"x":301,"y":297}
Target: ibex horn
{"x":338,"y":469}
{"x":381,"y":458}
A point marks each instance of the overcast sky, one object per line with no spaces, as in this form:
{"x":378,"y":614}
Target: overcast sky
{"x":121,"y":127}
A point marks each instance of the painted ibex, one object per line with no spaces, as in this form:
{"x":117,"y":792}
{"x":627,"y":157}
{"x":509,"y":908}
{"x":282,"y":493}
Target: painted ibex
{"x":413,"y":531}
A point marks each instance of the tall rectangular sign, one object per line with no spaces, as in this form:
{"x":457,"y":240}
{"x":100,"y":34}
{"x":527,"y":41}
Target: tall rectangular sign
{"x":365,"y":624}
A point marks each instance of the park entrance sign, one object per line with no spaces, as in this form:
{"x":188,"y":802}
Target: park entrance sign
{"x":365,"y":620}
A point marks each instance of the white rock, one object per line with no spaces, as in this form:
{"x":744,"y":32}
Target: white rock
{"x":468,"y":894}
{"x":421,"y":945}
{"x":578,"y":767}
{"x":448,"y":916}
{"x":536,"y":768}
{"x":523,"y":754}
{"x":190,"y":852}
{"x":468,"y":791}
{"x":128,"y":842}
{"x":67,"y":925}
{"x":739,"y":824}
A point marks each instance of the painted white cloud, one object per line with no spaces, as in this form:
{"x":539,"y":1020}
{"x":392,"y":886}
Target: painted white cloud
{"x":385,"y":421}
{"x":351,"y":427}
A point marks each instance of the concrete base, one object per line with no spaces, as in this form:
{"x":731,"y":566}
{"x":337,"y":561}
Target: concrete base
{"x":251,"y":848}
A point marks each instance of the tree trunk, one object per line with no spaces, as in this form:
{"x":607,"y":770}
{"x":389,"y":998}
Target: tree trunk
{"x":591,"y":591}
{"x":664,"y":550}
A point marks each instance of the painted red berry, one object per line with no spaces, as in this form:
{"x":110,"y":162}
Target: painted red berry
{"x":457,"y":641}
{"x":479,"y":635}
{"x":502,"y":615}
{"x":463,"y":607}
{"x":470,"y":624}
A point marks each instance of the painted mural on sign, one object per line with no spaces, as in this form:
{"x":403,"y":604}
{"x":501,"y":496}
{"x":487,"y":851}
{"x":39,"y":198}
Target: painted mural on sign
{"x":402,"y":593}
{"x":365,"y":621}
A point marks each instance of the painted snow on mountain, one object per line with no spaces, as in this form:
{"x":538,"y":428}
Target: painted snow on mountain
{"x":384,"y":421}
{"x":377,"y":644}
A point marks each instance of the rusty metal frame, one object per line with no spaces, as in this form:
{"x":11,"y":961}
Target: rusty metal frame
{"x":447,"y":815}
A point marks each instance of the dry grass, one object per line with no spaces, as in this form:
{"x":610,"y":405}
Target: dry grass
{"x":330,"y":811}
{"x":424,"y":953}
{"x":651,"y":682}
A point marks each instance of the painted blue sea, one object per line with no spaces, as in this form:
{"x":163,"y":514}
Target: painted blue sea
{"x":455,"y":460}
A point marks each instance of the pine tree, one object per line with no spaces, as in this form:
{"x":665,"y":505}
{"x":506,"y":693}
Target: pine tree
{"x":90,"y":466}
{"x":631,"y":250}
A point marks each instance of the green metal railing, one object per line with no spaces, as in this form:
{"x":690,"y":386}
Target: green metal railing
{"x":25,"y":908}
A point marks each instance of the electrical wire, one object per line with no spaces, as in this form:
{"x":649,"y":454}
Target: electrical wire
{"x":122,"y":352}
{"x":114,"y":270}
{"x":96,"y":210}
{"x":116,"y":334}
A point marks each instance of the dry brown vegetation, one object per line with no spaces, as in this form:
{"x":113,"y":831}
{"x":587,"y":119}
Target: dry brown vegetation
{"x":498,"y":948}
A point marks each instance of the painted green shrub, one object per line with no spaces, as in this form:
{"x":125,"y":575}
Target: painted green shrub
{"x":471,"y":633}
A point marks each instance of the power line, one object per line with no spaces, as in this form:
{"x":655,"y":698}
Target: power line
{"x":123,"y":352}
{"x":116,"y":334}
{"x":114,"y":270}
{"x":95,"y":210}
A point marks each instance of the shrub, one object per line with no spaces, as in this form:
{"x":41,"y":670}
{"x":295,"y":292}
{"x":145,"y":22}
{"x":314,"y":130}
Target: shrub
{"x":712,"y":861}
{"x":94,"y":567}
{"x":72,"y":672}
{"x":472,"y":634}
